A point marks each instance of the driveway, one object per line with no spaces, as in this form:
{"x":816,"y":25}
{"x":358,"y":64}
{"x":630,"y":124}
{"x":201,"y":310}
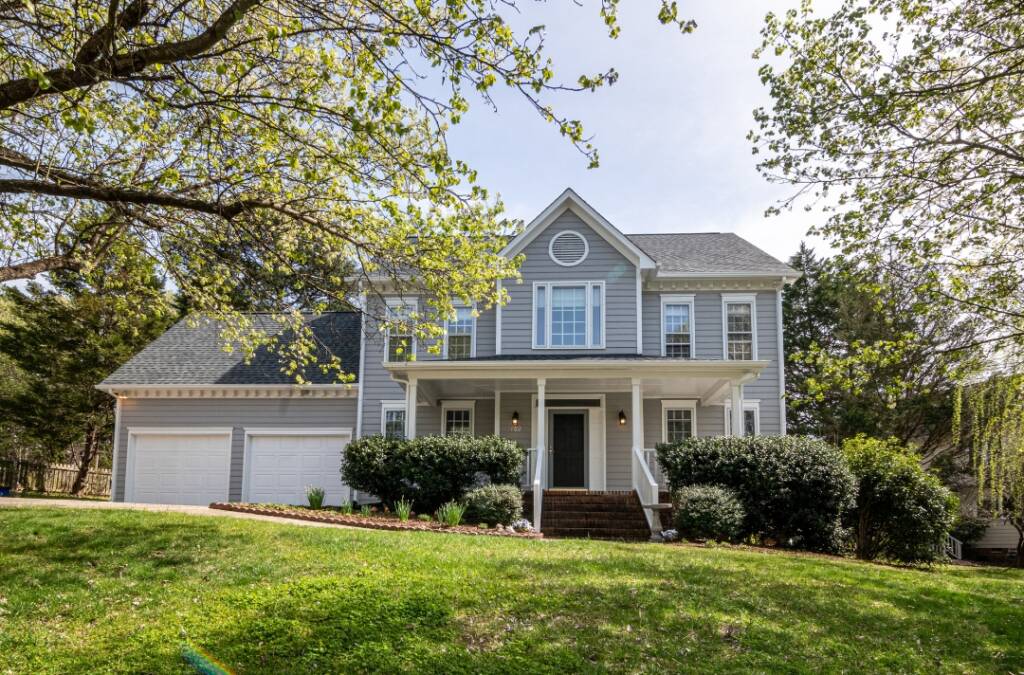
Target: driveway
{"x":22,"y":502}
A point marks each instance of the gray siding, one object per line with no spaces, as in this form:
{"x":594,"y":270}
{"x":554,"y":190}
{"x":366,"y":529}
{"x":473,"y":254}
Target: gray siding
{"x":236,"y":413}
{"x":766,"y":388}
{"x":376,"y":383}
{"x":707,"y":323}
{"x":603,"y":263}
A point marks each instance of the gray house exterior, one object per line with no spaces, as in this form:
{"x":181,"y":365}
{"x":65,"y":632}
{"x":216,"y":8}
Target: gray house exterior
{"x":609,"y":344}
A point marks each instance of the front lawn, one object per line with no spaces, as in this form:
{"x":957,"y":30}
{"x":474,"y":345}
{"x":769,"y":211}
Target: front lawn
{"x":102,"y":591}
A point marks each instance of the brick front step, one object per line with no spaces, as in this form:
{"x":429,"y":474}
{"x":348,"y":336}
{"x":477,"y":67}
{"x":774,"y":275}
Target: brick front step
{"x":591,"y":515}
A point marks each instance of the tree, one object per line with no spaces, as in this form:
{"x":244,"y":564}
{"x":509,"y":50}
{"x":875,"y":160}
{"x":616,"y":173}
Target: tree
{"x":903,"y":513}
{"x":903,"y":121}
{"x":65,"y":339}
{"x":864,"y":357}
{"x":989,"y":420}
{"x":237,"y":141}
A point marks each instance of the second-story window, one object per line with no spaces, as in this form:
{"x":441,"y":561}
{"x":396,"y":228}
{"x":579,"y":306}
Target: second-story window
{"x":568,"y":315}
{"x":401,"y":343}
{"x":677,"y":326}
{"x":739,"y":323}
{"x":460,"y":334}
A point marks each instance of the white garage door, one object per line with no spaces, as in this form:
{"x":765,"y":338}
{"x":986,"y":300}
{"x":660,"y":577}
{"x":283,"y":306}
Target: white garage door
{"x":175,"y":468}
{"x":280,"y":466}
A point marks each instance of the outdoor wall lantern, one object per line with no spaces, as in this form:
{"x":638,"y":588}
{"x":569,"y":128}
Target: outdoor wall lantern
{"x":622,"y":418}
{"x":515,"y":419}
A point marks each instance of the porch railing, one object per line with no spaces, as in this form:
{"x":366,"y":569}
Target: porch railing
{"x":651,"y":457}
{"x":646,"y":488}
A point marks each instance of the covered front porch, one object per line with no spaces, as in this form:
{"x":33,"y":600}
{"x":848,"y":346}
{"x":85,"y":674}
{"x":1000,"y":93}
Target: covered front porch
{"x":585,"y":424}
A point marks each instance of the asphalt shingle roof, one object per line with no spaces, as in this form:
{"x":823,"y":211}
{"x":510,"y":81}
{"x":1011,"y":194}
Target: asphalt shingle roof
{"x":195,"y":356}
{"x":708,"y":253}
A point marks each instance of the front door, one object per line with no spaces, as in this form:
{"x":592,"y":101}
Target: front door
{"x":567,"y":450}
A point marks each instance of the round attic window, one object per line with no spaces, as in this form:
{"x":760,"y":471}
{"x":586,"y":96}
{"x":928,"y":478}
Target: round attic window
{"x":568,"y":248}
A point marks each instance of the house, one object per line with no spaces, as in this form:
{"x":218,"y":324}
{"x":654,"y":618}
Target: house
{"x":610,"y":343}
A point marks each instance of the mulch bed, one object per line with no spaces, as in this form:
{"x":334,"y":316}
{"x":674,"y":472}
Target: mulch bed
{"x":372,"y":523}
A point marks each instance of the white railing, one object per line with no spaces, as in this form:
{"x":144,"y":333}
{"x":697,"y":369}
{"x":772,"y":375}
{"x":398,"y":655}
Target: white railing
{"x":954,"y":547}
{"x":526,"y":477}
{"x":651,"y":456}
{"x":646,"y":489}
{"x":538,"y":488}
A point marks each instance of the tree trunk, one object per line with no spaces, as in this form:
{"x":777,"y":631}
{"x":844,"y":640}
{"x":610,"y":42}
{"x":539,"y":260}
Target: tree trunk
{"x":864,"y":547}
{"x":1018,"y":524}
{"x":89,"y":451}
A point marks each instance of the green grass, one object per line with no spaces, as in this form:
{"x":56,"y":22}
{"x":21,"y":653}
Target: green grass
{"x":119,"y":591}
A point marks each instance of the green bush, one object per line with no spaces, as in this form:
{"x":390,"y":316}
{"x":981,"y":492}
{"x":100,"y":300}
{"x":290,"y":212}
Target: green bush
{"x":793,"y":489}
{"x":902,"y":512}
{"x":501,"y":504}
{"x":708,"y":512}
{"x":429,"y":470}
{"x":969,"y":529}
{"x":450,"y":513}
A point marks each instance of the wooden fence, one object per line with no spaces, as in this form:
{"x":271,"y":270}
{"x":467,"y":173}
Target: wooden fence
{"x":52,"y":478}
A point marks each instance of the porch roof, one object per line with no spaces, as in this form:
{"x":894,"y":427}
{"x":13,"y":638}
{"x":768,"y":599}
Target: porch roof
{"x":704,"y":380}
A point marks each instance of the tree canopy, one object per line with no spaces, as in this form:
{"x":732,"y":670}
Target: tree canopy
{"x":293,"y":148}
{"x":902,"y":121}
{"x":866,"y":356}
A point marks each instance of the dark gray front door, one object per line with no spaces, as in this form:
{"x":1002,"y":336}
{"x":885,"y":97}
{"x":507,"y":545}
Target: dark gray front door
{"x":567,"y":448}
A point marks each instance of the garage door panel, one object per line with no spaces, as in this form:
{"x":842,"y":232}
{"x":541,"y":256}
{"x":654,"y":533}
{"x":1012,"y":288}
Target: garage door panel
{"x":180,"y":468}
{"x":281,"y":467}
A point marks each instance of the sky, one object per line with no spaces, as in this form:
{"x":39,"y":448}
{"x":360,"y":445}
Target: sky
{"x":671,"y":132}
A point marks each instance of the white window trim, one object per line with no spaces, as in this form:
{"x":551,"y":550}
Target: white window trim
{"x":675,"y":299}
{"x":551,"y":248}
{"x":589,"y":297}
{"x":748,"y":404}
{"x":667,"y":405}
{"x":736,"y":299}
{"x":472,"y":335}
{"x":385,"y":407}
{"x":458,"y":405}
{"x":393,"y":303}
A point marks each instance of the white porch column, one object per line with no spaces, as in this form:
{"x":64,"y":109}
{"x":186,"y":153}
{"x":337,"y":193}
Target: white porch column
{"x":410,"y":408}
{"x":638,"y":416}
{"x":737,"y":409}
{"x":542,"y":422}
{"x":497,"y":412}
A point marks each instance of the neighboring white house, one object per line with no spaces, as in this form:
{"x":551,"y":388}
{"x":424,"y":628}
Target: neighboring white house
{"x":611,"y":343}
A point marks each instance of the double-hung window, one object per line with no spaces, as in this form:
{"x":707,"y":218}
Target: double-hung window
{"x":739,"y":324}
{"x":401,"y":343}
{"x":392,"y":420}
{"x":457,"y":417}
{"x":677,"y":326}
{"x":751,"y":418}
{"x":678,"y":420}
{"x":568,"y":315}
{"x":459,"y":337}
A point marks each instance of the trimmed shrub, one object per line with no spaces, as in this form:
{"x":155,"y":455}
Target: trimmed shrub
{"x":902,"y":512}
{"x":500,"y":504}
{"x":429,"y":470}
{"x":708,"y":512}
{"x":793,"y":489}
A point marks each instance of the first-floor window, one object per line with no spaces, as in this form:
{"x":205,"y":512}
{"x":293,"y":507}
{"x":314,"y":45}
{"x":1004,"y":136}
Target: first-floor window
{"x":394,"y":422}
{"x":751,"y":423}
{"x":458,"y":421}
{"x":678,"y":424}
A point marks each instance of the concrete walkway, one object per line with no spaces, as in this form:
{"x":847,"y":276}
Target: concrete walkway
{"x":22,"y":502}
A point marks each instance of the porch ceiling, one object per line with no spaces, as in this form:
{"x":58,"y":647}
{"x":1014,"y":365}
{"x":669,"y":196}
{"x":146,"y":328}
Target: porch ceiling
{"x":704,"y":381}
